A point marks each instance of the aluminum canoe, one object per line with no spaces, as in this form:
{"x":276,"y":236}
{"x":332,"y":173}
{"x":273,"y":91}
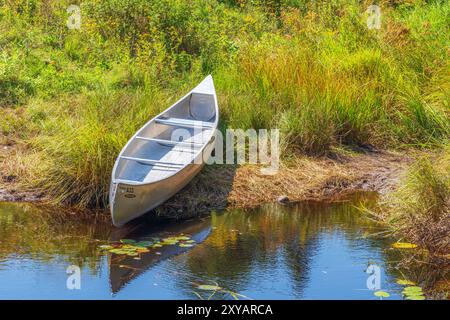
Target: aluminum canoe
{"x":164,"y":155}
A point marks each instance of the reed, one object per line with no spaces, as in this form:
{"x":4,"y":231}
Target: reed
{"x":77,"y":148}
{"x":420,"y":209}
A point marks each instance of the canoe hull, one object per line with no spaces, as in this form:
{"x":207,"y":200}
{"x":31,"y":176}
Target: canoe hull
{"x":165,"y":154}
{"x":128,"y":202}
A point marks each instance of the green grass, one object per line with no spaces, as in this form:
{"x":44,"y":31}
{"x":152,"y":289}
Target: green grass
{"x":314,"y":71}
{"x":76,"y":148}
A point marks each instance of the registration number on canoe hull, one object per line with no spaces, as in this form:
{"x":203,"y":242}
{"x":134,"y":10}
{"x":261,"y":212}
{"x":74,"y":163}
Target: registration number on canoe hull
{"x":129,"y":192}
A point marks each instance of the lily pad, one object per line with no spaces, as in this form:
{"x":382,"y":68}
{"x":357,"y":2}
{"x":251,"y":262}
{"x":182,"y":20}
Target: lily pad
{"x":143,"y":244}
{"x":128,"y":247}
{"x":169,"y":241}
{"x":185,"y":245}
{"x":208,"y":287}
{"x":381,"y":294}
{"x":417,"y":297}
{"x":118,"y":251}
{"x":127,"y":241}
{"x":412,"y":290}
{"x":404,"y":245}
{"x":132,"y":254}
{"x":413,"y":293}
{"x":106,"y":247}
{"x":404,"y":282}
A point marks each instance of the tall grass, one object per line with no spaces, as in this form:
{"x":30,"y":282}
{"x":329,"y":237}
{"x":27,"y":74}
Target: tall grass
{"x":314,"y":71}
{"x":76,"y":148}
{"x":344,"y":85}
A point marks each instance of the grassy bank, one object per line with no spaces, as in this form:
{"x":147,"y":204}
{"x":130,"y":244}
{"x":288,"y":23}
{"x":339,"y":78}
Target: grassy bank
{"x":72,"y":98}
{"x":419,"y":211}
{"x":418,"y":215}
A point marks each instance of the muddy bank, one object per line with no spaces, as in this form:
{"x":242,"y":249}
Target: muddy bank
{"x":9,"y":188}
{"x":228,"y":186}
{"x":321,"y":179}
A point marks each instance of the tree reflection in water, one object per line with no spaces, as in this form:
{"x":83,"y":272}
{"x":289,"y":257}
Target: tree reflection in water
{"x":305,"y":250}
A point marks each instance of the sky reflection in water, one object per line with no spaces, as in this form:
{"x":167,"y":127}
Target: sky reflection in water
{"x":303,"y":251}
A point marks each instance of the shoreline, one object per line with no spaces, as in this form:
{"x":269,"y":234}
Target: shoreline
{"x":302,"y":179}
{"x":219,"y":187}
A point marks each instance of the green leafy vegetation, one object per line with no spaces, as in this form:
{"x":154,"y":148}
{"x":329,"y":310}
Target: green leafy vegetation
{"x":313,"y":70}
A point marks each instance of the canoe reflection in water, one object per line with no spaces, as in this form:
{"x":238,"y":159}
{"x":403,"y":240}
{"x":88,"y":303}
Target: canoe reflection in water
{"x":123,"y":269}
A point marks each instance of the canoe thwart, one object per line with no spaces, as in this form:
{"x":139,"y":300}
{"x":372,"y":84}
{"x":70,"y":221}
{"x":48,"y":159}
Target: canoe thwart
{"x":186,"y":123}
{"x":154,"y":162}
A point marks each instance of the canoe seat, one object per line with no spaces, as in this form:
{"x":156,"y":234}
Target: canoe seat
{"x":185,"y":123}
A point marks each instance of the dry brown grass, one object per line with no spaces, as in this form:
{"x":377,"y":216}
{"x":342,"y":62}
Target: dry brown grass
{"x":304,"y":178}
{"x":221,"y":186}
{"x":13,"y":173}
{"x":419,"y":211}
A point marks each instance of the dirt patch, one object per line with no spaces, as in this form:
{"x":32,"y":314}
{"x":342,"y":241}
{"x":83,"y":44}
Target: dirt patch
{"x":9,"y":190}
{"x":305,"y":178}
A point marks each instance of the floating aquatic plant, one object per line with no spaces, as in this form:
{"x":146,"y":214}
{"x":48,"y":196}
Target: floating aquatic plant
{"x":133,"y":248}
{"x":404,"y":245}
{"x":404,"y":282}
{"x":413,"y":293}
{"x":144,"y":244}
{"x":185,"y":245}
{"x":127,"y":241}
{"x":381,"y":294}
{"x":411,"y":290}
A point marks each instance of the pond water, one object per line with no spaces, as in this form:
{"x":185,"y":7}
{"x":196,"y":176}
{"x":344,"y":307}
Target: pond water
{"x":308,"y":250}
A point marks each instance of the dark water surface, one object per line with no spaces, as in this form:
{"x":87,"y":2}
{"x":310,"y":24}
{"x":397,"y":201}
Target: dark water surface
{"x":302,"y":251}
